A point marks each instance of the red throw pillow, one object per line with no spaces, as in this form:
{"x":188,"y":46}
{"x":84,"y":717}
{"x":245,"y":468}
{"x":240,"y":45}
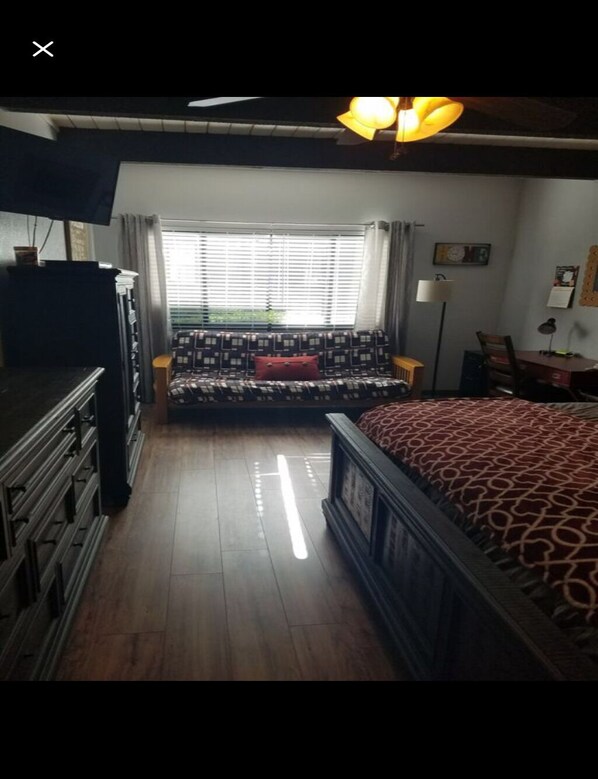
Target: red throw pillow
{"x":287,"y":368}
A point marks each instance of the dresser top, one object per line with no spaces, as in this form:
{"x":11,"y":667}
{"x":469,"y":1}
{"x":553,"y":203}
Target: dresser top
{"x":61,"y":269}
{"x":31,"y":397}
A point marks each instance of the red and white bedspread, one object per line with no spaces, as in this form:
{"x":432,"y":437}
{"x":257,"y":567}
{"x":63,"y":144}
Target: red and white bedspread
{"x":526,"y":473}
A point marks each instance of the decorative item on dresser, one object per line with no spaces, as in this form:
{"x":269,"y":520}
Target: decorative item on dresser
{"x":71,"y":313}
{"x":51,"y":520}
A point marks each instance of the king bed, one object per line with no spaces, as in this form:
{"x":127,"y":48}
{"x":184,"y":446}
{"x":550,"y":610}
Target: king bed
{"x":473,"y":527}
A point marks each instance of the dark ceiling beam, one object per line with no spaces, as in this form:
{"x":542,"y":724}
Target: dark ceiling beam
{"x":195,"y":148}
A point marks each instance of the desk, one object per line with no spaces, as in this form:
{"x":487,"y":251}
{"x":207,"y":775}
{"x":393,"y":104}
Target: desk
{"x":570,"y":373}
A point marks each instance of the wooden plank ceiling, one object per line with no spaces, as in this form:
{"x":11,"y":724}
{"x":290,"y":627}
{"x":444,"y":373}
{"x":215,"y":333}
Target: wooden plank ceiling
{"x":303,"y":131}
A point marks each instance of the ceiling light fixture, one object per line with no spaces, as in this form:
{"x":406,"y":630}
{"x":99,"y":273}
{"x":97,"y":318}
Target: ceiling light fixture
{"x":416,"y":117}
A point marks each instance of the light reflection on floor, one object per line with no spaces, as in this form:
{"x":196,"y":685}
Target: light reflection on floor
{"x":288,"y":494}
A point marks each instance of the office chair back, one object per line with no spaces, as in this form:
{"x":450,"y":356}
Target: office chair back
{"x":504,"y":375}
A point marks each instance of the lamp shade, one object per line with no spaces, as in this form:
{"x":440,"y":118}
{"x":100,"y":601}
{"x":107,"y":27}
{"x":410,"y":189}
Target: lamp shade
{"x":428,"y":116}
{"x":434,"y":291}
{"x":361,"y":129}
{"x":376,"y":112}
{"x":548,"y":327}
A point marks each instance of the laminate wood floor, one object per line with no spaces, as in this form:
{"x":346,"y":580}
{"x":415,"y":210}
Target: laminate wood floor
{"x":221,"y":566}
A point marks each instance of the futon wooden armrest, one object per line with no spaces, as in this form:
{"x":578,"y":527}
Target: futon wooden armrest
{"x":162,"y":374}
{"x":411,"y":371}
{"x":162,"y":361}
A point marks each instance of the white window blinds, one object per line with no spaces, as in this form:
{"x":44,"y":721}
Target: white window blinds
{"x":263,"y":278}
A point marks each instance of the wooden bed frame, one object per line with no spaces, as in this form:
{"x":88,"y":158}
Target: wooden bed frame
{"x":449,"y":612}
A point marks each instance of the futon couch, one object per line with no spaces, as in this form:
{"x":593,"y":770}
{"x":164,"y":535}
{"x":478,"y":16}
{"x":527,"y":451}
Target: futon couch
{"x":336,"y":368}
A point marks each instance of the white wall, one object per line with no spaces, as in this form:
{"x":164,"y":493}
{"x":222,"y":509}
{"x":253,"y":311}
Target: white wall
{"x":472,"y":209}
{"x":557,"y":223}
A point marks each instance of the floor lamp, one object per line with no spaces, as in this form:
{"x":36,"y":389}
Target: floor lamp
{"x":437,"y":291}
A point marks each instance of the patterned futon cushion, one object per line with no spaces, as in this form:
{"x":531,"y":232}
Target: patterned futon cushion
{"x":231,"y":355}
{"x":189,"y":389}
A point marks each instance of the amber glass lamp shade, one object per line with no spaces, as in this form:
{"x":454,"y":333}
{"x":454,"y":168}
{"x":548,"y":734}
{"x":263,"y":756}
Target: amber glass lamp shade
{"x":426,"y":116}
{"x":429,"y":115}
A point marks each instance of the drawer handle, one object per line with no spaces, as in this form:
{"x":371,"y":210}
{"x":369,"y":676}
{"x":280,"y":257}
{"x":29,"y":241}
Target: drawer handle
{"x":18,"y":488}
{"x":5,"y":616}
{"x":88,"y":468}
{"x":89,"y":420}
{"x":24,"y":520}
{"x":81,"y":481}
{"x":50,"y":541}
{"x":70,"y":454}
{"x":58,"y":522}
{"x":27,"y":655}
{"x":81,"y":544}
{"x":68,"y":429}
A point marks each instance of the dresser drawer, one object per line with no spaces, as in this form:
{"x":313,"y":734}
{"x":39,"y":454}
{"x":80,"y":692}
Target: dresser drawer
{"x":45,"y":540}
{"x":69,"y":563}
{"x":14,"y":599}
{"x":85,"y":472}
{"x":86,"y":416}
{"x":32,"y":473}
{"x":42,"y":494}
{"x":39,"y":634}
{"x":559,"y":377}
{"x":546,"y":373}
{"x":133,"y":435}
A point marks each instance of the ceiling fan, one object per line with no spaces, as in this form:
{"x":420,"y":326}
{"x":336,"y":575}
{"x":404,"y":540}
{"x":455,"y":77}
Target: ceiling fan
{"x":526,"y":112}
{"x":214,"y":101}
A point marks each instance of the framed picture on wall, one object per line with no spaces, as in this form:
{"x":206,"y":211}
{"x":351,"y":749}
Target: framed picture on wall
{"x":77,"y":240}
{"x":589,"y":289}
{"x":461,"y":253}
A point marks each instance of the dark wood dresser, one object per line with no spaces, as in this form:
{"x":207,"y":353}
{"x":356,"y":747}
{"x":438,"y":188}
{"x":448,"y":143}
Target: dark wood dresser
{"x":74,"y":314}
{"x":51,"y":519}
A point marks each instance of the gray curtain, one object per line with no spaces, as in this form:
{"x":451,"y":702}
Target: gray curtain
{"x":140,"y":248}
{"x":400,"y":280}
{"x":374,"y":274}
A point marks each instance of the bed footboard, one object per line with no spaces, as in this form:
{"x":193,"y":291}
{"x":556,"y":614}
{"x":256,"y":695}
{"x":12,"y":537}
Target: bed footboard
{"x":449,"y":612}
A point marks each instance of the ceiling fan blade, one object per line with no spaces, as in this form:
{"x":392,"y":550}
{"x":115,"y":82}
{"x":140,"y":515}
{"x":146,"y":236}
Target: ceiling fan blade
{"x":349,"y":138}
{"x":524,"y":111}
{"x":213,"y":101}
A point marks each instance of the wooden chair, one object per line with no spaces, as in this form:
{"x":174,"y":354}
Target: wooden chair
{"x":504,"y":375}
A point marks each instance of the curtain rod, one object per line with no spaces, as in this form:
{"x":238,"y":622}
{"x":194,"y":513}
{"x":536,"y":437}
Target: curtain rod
{"x":299,"y":224}
{"x":371,"y":224}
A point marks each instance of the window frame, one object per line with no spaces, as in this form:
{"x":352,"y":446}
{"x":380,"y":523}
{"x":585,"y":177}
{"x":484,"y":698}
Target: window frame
{"x":279,"y":229}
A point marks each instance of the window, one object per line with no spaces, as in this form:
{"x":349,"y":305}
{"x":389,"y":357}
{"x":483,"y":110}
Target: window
{"x":263,"y":278}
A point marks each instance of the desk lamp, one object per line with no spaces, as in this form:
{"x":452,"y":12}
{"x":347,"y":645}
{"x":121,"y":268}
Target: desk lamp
{"x":548,"y":328}
{"x":437,"y":291}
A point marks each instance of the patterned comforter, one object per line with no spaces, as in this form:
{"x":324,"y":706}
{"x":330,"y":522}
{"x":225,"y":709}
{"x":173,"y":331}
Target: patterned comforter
{"x":525,"y":473}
